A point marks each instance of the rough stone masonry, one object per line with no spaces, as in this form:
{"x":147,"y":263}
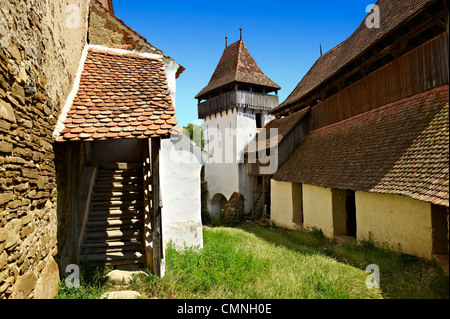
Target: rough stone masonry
{"x":39,"y":57}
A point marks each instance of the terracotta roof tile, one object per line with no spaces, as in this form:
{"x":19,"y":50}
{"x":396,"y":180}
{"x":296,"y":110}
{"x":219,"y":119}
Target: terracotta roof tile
{"x":400,"y":148}
{"x":120,"y":96}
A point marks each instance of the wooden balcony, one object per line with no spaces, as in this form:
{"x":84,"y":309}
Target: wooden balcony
{"x":244,"y":99}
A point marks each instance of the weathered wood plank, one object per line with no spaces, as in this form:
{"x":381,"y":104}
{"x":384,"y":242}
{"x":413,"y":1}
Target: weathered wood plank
{"x":419,"y":70}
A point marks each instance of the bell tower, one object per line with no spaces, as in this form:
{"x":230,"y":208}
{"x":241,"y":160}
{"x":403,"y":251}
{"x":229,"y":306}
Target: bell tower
{"x":234,"y":105}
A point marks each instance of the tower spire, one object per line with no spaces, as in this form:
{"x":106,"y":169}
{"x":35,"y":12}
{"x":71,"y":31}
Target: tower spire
{"x":321,"y":49}
{"x":240,"y":30}
{"x":226,"y":41}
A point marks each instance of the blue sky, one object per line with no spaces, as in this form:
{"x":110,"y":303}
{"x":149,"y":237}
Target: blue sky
{"x":282,"y":36}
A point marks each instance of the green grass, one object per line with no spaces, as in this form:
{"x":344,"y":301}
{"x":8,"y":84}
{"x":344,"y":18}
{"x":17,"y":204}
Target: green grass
{"x":93,"y":283}
{"x":275,"y":263}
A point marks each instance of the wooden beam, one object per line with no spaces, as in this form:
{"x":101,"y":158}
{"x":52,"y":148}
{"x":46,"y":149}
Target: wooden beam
{"x":158,"y":254}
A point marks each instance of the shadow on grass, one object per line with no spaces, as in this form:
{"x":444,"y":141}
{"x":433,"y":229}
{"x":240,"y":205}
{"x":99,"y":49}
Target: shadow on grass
{"x":401,"y":276}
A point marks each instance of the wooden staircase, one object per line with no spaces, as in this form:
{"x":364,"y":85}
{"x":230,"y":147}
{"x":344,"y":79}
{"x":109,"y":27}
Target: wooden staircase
{"x":115,"y":227}
{"x":258,"y":201}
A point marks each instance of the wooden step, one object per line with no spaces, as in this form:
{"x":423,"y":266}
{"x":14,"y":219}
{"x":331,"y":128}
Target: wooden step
{"x":139,"y":248}
{"x":122,"y":228}
{"x":117,"y":246}
{"x":118,"y":193}
{"x":126,"y":210}
{"x":114,"y":193}
{"x":114,"y":224}
{"x":119,"y":165}
{"x":113,"y":213}
{"x":115,"y":203}
{"x":118,"y":179}
{"x":121,"y":172}
{"x":115,"y":221}
{"x":114,"y":183}
{"x":110,"y":234}
{"x":113,"y":257}
{"x":119,"y":187}
{"x":109,"y":198}
{"x":113,"y":244}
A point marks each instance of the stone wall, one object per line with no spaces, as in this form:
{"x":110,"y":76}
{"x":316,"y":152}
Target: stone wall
{"x":40,"y":49}
{"x":107,"y":30}
{"x":234,"y":210}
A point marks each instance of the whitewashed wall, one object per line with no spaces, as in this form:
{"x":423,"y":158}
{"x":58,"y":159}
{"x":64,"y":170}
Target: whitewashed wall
{"x":180,"y":195}
{"x":226,"y":178}
{"x":222,"y":177}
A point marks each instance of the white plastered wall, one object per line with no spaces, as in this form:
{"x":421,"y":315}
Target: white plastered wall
{"x":220,"y":173}
{"x":180,"y":194}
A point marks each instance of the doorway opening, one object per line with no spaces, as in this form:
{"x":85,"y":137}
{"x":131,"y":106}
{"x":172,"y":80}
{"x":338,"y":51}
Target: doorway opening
{"x":217,"y":205}
{"x":350,"y":205}
{"x":439,"y":222}
{"x":259,"y":120}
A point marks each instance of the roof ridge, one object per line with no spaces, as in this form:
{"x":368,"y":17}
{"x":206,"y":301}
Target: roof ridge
{"x":241,"y":42}
{"x":328,"y":65}
{"x":122,"y":52}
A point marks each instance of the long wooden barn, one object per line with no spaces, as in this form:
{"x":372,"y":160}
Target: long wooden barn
{"x":374,"y":162}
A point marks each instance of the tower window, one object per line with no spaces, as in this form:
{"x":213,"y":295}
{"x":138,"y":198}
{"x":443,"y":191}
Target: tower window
{"x":259,"y":120}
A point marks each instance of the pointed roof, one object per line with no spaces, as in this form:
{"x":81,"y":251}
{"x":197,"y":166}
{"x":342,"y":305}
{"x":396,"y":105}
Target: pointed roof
{"x":237,"y":65}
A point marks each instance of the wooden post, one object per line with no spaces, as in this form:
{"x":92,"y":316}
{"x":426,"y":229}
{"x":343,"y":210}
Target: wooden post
{"x":263,"y":195}
{"x":148,"y":217}
{"x":156,"y":207}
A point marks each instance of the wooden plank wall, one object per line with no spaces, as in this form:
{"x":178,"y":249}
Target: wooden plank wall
{"x":423,"y":68}
{"x":237,"y":99}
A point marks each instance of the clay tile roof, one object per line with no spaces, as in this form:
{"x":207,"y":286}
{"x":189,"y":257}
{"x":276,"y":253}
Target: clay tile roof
{"x":392,"y":14}
{"x":283,"y":125}
{"x":120,"y":96}
{"x":237,"y":65}
{"x":400,"y":148}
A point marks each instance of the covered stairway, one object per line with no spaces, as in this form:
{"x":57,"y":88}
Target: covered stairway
{"x":115,"y":228}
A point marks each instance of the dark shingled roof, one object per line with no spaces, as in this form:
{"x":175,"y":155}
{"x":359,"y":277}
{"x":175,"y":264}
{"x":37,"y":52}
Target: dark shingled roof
{"x":400,"y":148}
{"x":237,"y":65}
{"x":392,"y":14}
{"x":283,"y":125}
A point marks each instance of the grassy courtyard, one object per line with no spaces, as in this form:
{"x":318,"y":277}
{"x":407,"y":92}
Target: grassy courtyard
{"x":269,"y":262}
